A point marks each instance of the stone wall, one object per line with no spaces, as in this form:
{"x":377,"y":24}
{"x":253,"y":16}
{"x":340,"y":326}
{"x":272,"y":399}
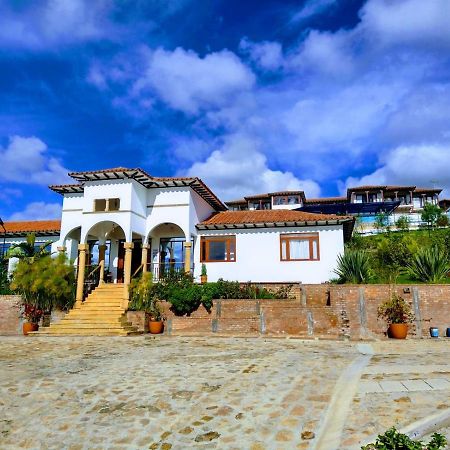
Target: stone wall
{"x":10,"y":322}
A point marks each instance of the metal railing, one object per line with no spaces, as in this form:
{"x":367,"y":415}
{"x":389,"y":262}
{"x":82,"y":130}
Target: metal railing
{"x":94,"y":275}
{"x":160,"y":271}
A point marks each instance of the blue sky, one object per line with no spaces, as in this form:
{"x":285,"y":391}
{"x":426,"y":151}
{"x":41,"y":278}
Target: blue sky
{"x":251,"y":96}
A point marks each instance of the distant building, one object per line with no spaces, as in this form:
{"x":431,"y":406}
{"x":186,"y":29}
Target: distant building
{"x":365,"y":202}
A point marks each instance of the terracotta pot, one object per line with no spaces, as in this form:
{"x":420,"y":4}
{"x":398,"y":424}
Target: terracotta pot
{"x":398,"y":330}
{"x":155,"y":327}
{"x":203,"y":279}
{"x":27,"y":327}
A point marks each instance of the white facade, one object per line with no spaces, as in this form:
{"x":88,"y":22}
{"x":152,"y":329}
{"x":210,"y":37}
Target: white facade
{"x":168,"y":216}
{"x":258,"y":256}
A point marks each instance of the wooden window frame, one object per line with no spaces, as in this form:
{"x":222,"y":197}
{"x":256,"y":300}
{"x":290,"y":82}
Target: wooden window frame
{"x":311,"y":237}
{"x":204,"y":248}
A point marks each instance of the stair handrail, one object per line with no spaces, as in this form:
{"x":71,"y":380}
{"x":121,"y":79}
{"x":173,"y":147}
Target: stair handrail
{"x":137,"y":270}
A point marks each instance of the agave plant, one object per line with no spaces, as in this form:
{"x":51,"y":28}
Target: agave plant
{"x":354,"y":267}
{"x":430,"y":265}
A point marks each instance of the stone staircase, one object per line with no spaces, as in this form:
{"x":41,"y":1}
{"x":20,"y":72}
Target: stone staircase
{"x":101,"y":314}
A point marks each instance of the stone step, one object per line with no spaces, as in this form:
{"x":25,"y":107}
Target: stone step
{"x":82,"y":333}
{"x":93,"y":325}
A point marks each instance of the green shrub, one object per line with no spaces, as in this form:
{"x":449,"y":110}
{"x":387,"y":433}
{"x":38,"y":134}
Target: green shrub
{"x":396,"y":310}
{"x":430,"y":265}
{"x":141,"y":292}
{"x":45,"y":283}
{"x":4,"y":280}
{"x":354,"y":267}
{"x":394,"y":440}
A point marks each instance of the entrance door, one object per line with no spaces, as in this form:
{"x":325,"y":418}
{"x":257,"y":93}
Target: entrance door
{"x":136,"y":257}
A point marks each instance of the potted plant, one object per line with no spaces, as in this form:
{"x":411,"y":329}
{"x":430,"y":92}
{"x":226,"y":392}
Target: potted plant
{"x":155,"y":311}
{"x":204,"y":275}
{"x":32,"y":316}
{"x":397,"y":313}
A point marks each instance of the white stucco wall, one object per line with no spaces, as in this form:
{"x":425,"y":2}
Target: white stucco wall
{"x":258,"y":256}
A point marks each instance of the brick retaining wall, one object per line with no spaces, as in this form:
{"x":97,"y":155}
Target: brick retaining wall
{"x":334,"y":311}
{"x":10,"y":322}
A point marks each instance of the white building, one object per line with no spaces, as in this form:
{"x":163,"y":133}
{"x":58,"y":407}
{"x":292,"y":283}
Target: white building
{"x":128,"y":221}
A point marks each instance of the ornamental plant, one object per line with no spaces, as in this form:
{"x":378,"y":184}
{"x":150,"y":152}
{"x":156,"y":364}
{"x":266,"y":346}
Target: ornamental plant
{"x":354,"y":267}
{"x":395,"y":310}
{"x":394,"y":440}
{"x":430,"y":265}
{"x":31,"y":313}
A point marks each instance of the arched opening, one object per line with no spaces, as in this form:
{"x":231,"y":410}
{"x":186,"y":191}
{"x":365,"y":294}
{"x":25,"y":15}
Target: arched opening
{"x":167,"y":250}
{"x":106,"y":242}
{"x":70,"y":242}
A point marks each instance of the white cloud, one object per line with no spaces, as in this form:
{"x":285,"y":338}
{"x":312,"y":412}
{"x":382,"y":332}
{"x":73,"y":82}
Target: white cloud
{"x":267,"y":55}
{"x":25,"y":160}
{"x":38,"y":211}
{"x":312,"y":8}
{"x":238,"y":168}
{"x":189,"y":83}
{"x":53,"y":23}
{"x":421,"y":165}
{"x":418,"y":22}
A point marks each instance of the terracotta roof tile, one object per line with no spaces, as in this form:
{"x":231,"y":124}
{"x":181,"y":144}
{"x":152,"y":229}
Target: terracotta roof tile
{"x":33,"y":226}
{"x":327,"y":200}
{"x":268,"y":216}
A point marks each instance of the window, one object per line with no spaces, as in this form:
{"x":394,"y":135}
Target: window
{"x":100,"y":205}
{"x":220,"y":248}
{"x":358,"y":198}
{"x":287,"y":200}
{"x":299,"y":247}
{"x":106,"y":204}
{"x":114,"y":204}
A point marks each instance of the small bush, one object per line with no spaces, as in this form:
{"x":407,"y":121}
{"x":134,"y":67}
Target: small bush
{"x":395,"y":310}
{"x":394,"y":440}
{"x":430,"y":265}
{"x":354,"y":267}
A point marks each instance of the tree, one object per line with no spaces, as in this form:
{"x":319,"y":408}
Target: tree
{"x":402,"y":223}
{"x":28,"y":249}
{"x":442,"y":221}
{"x":4,"y":281}
{"x":45,"y":283}
{"x":382,"y":221}
{"x":431,"y":214}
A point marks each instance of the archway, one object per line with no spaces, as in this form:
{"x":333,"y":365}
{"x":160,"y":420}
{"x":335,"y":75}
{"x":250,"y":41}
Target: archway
{"x":168,"y":250}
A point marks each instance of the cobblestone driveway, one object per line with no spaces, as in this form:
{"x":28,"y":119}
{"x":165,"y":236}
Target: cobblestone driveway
{"x":230,"y":393}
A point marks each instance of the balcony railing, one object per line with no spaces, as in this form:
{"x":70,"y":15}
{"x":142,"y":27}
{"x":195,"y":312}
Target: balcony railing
{"x":164,"y":270}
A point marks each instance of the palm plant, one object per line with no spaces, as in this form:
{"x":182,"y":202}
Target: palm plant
{"x":430,"y":265}
{"x":28,"y":249}
{"x":354,"y":267}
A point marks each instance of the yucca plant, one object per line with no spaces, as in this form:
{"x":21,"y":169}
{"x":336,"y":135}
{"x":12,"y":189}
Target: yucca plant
{"x":430,"y":265}
{"x":354,"y":267}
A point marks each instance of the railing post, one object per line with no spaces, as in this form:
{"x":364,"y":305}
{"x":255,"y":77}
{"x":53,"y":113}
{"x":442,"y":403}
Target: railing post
{"x":101,"y":262}
{"x":128,"y":246}
{"x":82,"y":248}
{"x":144,"y":257}
{"x":187,"y":257}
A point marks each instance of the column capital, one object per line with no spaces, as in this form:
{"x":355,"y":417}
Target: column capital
{"x":128,"y":245}
{"x":187,"y":244}
{"x":61,"y":249}
{"x":102,"y":246}
{"x":83,"y":247}
{"x":147,"y":246}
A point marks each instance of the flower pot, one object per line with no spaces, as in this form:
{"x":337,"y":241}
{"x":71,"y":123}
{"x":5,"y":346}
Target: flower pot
{"x":155,"y":327}
{"x":203,"y":279}
{"x":434,"y":332}
{"x":398,"y":330}
{"x":28,"y":326}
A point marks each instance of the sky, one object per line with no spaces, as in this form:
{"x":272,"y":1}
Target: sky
{"x":251,"y":96}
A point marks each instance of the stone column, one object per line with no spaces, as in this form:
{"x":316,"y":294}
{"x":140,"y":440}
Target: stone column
{"x":187,"y":257}
{"x":128,"y":246}
{"x":144,"y":258}
{"x":101,"y":261}
{"x":83,"y":249}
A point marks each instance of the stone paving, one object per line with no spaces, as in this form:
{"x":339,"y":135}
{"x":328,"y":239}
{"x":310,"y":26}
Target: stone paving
{"x":207,"y":392}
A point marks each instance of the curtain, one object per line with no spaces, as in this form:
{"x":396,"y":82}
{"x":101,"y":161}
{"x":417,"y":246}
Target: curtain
{"x":299,"y":249}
